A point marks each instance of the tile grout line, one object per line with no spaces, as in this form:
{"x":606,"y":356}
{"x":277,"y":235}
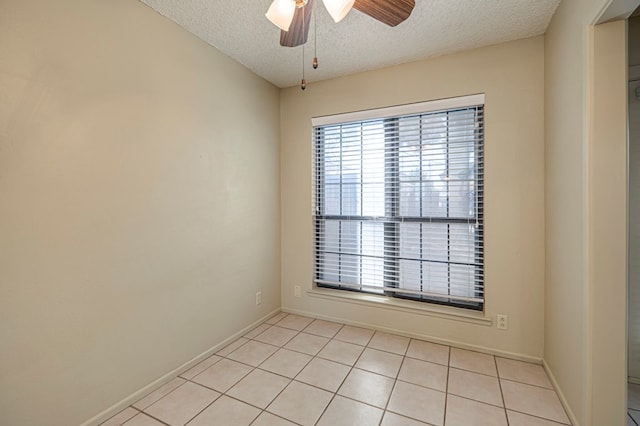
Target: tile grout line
{"x":208,"y":405}
{"x":177,"y":387}
{"x":528,"y":384}
{"x":291,"y":380}
{"x":386,"y":406}
{"x":395,"y":379}
{"x":298,"y":373}
{"x":351,"y":368}
{"x":541,"y":418}
{"x":262,"y":410}
{"x":126,"y":420}
{"x":504,"y":404}
{"x":154,"y":418}
{"x":446,"y":387}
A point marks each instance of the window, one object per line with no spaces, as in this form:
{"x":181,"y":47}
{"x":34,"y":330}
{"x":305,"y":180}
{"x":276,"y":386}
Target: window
{"x":398,"y":202}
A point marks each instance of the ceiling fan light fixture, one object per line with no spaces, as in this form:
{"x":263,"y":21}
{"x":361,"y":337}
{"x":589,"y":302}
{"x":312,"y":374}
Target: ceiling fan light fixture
{"x":338,"y":9}
{"x":281,"y":13}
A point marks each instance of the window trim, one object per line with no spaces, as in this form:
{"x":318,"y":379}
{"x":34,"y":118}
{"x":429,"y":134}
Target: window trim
{"x":402,"y":305}
{"x":399,"y":110}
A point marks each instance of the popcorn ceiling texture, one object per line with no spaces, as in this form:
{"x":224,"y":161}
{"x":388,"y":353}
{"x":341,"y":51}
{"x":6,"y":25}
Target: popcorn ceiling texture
{"x":358,"y":43}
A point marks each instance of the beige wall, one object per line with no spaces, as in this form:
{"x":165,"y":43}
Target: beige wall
{"x":139,"y":207}
{"x":511,"y":76}
{"x":565,"y":186}
{"x":608,"y":223}
{"x":585,"y":163}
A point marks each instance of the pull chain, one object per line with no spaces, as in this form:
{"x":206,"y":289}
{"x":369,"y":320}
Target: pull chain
{"x":315,"y":39}
{"x":303,"y":84}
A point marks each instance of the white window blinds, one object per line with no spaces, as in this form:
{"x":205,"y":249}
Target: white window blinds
{"x":398,"y":201}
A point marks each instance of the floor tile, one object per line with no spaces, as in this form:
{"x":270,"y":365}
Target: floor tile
{"x":475,"y":386}
{"x":294,"y":370}
{"x":158,"y":393}
{"x":274,"y":319}
{"x":232,"y":346}
{"x":253,"y":353}
{"x":473,"y":361}
{"x":635,"y":415}
{"x":307,"y":343}
{"x":427,"y":351}
{"x":222,"y":375}
{"x":323,"y":328}
{"x":523,"y":372}
{"x":276,"y":336}
{"x":418,"y":403}
{"x":633,"y":396}
{"x":389,"y":343}
{"x":143,"y":420}
{"x":259,"y":329}
{"x":424,"y":373}
{"x":258,"y":388}
{"x":300,"y":403}
{"x":226,"y":412}
{"x":347,"y":412}
{"x":520,"y":419}
{"x":121,"y":417}
{"x":533,"y":400}
{"x":380,"y":362}
{"x":268,"y":419}
{"x":294,"y":322}
{"x":465,"y":412}
{"x":342,"y":352}
{"x":630,"y":421}
{"x":359,"y":336}
{"x":324,"y":374}
{"x":367,"y":387}
{"x":200,"y":367}
{"x":286,"y":363}
{"x":183,"y":404}
{"x":393,"y":419}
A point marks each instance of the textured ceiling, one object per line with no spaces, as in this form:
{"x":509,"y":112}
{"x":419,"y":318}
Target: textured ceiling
{"x":358,"y":43}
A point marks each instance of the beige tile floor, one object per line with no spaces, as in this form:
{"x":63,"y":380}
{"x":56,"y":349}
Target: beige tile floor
{"x":294,"y":370}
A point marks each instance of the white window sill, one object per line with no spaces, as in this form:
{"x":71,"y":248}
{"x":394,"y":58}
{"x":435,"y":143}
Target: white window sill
{"x":445,"y":312}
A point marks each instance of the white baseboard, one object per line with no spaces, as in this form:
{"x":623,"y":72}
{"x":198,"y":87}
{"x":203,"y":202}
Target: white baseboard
{"x":454,"y":343}
{"x":563,"y":399}
{"x":124,"y":403}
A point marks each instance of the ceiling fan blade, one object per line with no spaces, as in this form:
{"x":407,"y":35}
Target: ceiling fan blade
{"x":390,"y":12}
{"x":299,"y":29}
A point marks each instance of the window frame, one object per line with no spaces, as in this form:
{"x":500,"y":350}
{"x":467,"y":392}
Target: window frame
{"x":390,"y":117}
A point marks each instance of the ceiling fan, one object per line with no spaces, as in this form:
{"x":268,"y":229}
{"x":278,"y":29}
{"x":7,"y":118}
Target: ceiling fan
{"x":293,"y":16}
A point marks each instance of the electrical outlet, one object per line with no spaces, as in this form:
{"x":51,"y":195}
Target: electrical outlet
{"x":502,"y":322}
{"x":296,"y":291}
{"x":258,"y":298}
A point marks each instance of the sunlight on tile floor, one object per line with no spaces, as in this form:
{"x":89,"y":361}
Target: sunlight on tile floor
{"x":294,"y":370}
